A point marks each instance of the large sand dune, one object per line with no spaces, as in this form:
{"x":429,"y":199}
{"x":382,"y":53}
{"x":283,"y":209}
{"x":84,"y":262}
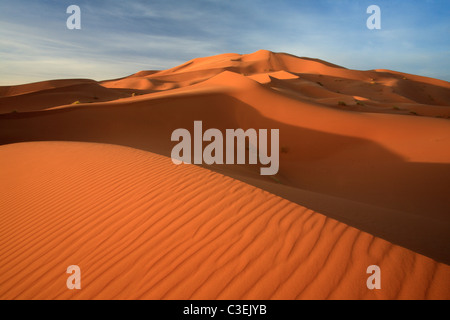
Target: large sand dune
{"x":370,"y":149}
{"x":139,"y":227}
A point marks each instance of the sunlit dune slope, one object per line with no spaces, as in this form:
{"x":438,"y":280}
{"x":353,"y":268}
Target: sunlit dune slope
{"x":140,"y":227}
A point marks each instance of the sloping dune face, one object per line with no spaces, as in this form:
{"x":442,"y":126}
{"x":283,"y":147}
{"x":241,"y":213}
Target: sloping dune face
{"x":141,"y":228}
{"x":368,"y":150}
{"x":315,"y":80}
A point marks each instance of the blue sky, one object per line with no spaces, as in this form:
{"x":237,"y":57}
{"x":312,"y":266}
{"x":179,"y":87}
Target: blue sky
{"x":121,"y":37}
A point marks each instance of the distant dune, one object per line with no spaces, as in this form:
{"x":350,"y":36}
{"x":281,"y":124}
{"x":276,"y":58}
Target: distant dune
{"x":364,"y":179}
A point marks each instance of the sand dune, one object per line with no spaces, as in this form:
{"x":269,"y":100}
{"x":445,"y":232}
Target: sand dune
{"x":52,"y":97}
{"x":7,"y":91}
{"x":141,"y":228}
{"x":369,"y":149}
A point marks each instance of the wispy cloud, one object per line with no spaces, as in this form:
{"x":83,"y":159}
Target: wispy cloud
{"x":121,"y":37}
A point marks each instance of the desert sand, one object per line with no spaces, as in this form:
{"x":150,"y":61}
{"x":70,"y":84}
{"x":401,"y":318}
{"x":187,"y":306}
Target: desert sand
{"x":87,"y":179}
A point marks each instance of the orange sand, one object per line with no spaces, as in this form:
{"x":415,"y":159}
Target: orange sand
{"x":370,"y":149}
